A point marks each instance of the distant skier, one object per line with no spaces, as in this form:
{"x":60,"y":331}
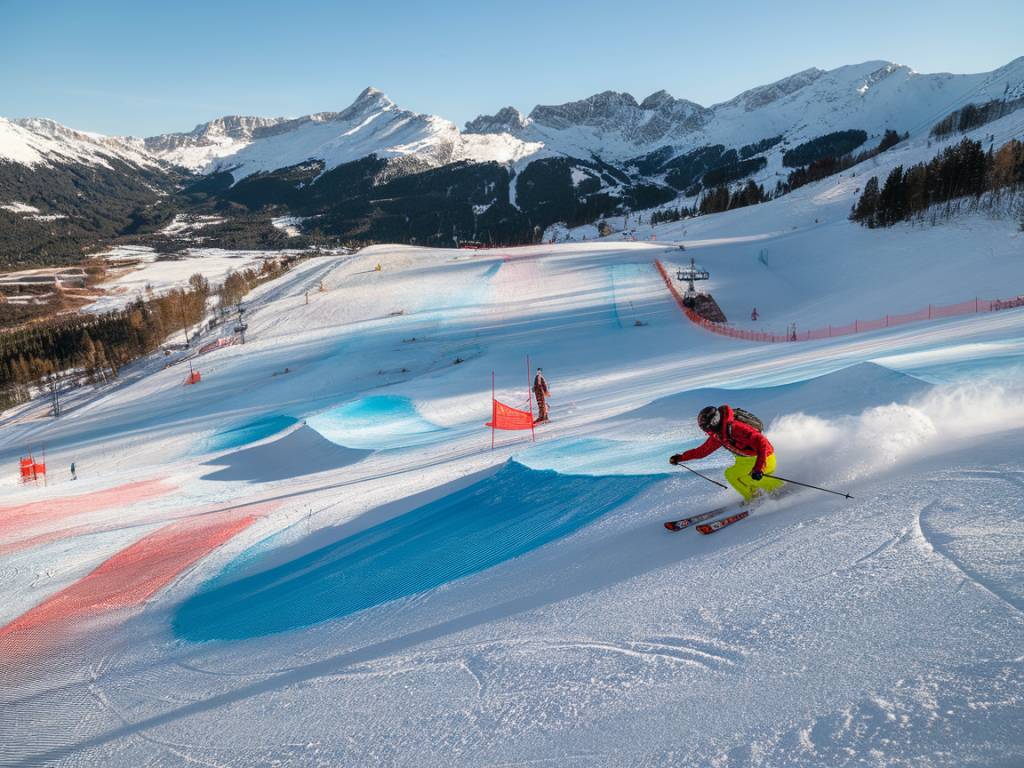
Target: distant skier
{"x":74,"y":475}
{"x":739,"y":432}
{"x":753,"y":315}
{"x":540,"y":391}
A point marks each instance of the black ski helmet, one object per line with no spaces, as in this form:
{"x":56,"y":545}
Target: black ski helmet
{"x":709,"y":418}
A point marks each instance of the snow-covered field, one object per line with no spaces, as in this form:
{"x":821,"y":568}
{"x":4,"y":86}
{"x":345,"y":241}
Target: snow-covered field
{"x":290,"y":225}
{"x":313,"y":557}
{"x":161,"y":275}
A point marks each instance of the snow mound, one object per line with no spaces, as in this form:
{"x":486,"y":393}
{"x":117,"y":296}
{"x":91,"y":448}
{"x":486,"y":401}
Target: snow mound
{"x":846,"y":391}
{"x":299,"y":453}
{"x":377,"y":421}
{"x":501,"y":517}
{"x":250,"y":432}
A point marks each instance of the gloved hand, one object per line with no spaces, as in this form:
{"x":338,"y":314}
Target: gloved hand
{"x":675,"y":458}
{"x":756,"y":475}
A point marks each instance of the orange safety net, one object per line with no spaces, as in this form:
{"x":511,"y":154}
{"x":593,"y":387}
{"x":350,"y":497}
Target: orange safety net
{"x":506,"y":417}
{"x":193,"y":378}
{"x":931,"y":312}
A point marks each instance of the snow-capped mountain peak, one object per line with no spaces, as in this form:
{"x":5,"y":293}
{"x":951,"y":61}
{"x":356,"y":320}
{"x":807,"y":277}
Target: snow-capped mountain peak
{"x":656,"y":100}
{"x":505,"y":120}
{"x":235,"y":126}
{"x":209,"y":145}
{"x":371,"y":125}
{"x":370,"y":100}
{"x":600,"y":110}
{"x":40,"y":141}
{"x":763,"y":95}
{"x":206,"y":142}
{"x":612,"y":125}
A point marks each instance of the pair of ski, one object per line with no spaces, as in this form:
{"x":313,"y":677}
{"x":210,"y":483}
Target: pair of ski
{"x":707,"y":528}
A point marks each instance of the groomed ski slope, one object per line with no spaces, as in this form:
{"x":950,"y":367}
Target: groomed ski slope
{"x":372,"y":585}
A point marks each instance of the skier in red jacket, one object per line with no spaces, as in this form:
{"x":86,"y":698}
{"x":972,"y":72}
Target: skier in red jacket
{"x":755,"y":457}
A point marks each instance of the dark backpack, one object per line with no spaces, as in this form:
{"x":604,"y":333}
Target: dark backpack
{"x":746,"y":417}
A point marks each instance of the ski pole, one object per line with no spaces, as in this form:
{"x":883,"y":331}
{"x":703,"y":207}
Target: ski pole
{"x":698,"y":474}
{"x":808,"y":485}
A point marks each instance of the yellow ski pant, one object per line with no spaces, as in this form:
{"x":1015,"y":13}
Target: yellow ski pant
{"x":739,"y":477}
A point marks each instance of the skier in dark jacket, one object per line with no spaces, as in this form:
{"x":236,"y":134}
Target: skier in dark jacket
{"x":755,"y":456}
{"x":540,"y":391}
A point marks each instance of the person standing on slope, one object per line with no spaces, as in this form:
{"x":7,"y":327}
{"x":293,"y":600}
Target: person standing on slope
{"x":540,"y":391}
{"x":742,"y":435}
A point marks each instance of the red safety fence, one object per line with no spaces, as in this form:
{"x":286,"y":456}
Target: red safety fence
{"x":224,"y":341}
{"x":193,"y":378}
{"x":32,"y":470}
{"x":493,"y":246}
{"x":931,"y":312}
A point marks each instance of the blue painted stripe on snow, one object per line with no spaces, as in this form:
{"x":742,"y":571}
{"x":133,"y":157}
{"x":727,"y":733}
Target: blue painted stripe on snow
{"x":503,"y":516}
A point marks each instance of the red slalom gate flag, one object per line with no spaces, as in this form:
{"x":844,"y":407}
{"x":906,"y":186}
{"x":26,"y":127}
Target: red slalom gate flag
{"x":506,"y":417}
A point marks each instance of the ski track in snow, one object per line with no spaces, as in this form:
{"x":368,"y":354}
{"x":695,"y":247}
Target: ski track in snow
{"x":933,"y":541}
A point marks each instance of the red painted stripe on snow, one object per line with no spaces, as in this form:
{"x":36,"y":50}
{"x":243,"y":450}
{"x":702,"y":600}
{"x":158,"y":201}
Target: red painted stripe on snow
{"x":46,"y":538}
{"x":21,"y":517}
{"x":127,"y":579}
{"x":138,"y":518}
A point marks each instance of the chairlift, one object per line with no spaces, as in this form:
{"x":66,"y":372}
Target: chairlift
{"x":689,"y":275}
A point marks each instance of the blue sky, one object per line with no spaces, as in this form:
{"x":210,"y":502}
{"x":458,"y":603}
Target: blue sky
{"x":143,"y":68}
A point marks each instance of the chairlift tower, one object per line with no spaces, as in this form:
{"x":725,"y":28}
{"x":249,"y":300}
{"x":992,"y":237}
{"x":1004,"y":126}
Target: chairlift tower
{"x":241,"y":325}
{"x":55,"y":394}
{"x":691,"y":274}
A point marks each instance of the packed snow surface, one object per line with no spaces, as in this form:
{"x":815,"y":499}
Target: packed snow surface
{"x":314,"y":557}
